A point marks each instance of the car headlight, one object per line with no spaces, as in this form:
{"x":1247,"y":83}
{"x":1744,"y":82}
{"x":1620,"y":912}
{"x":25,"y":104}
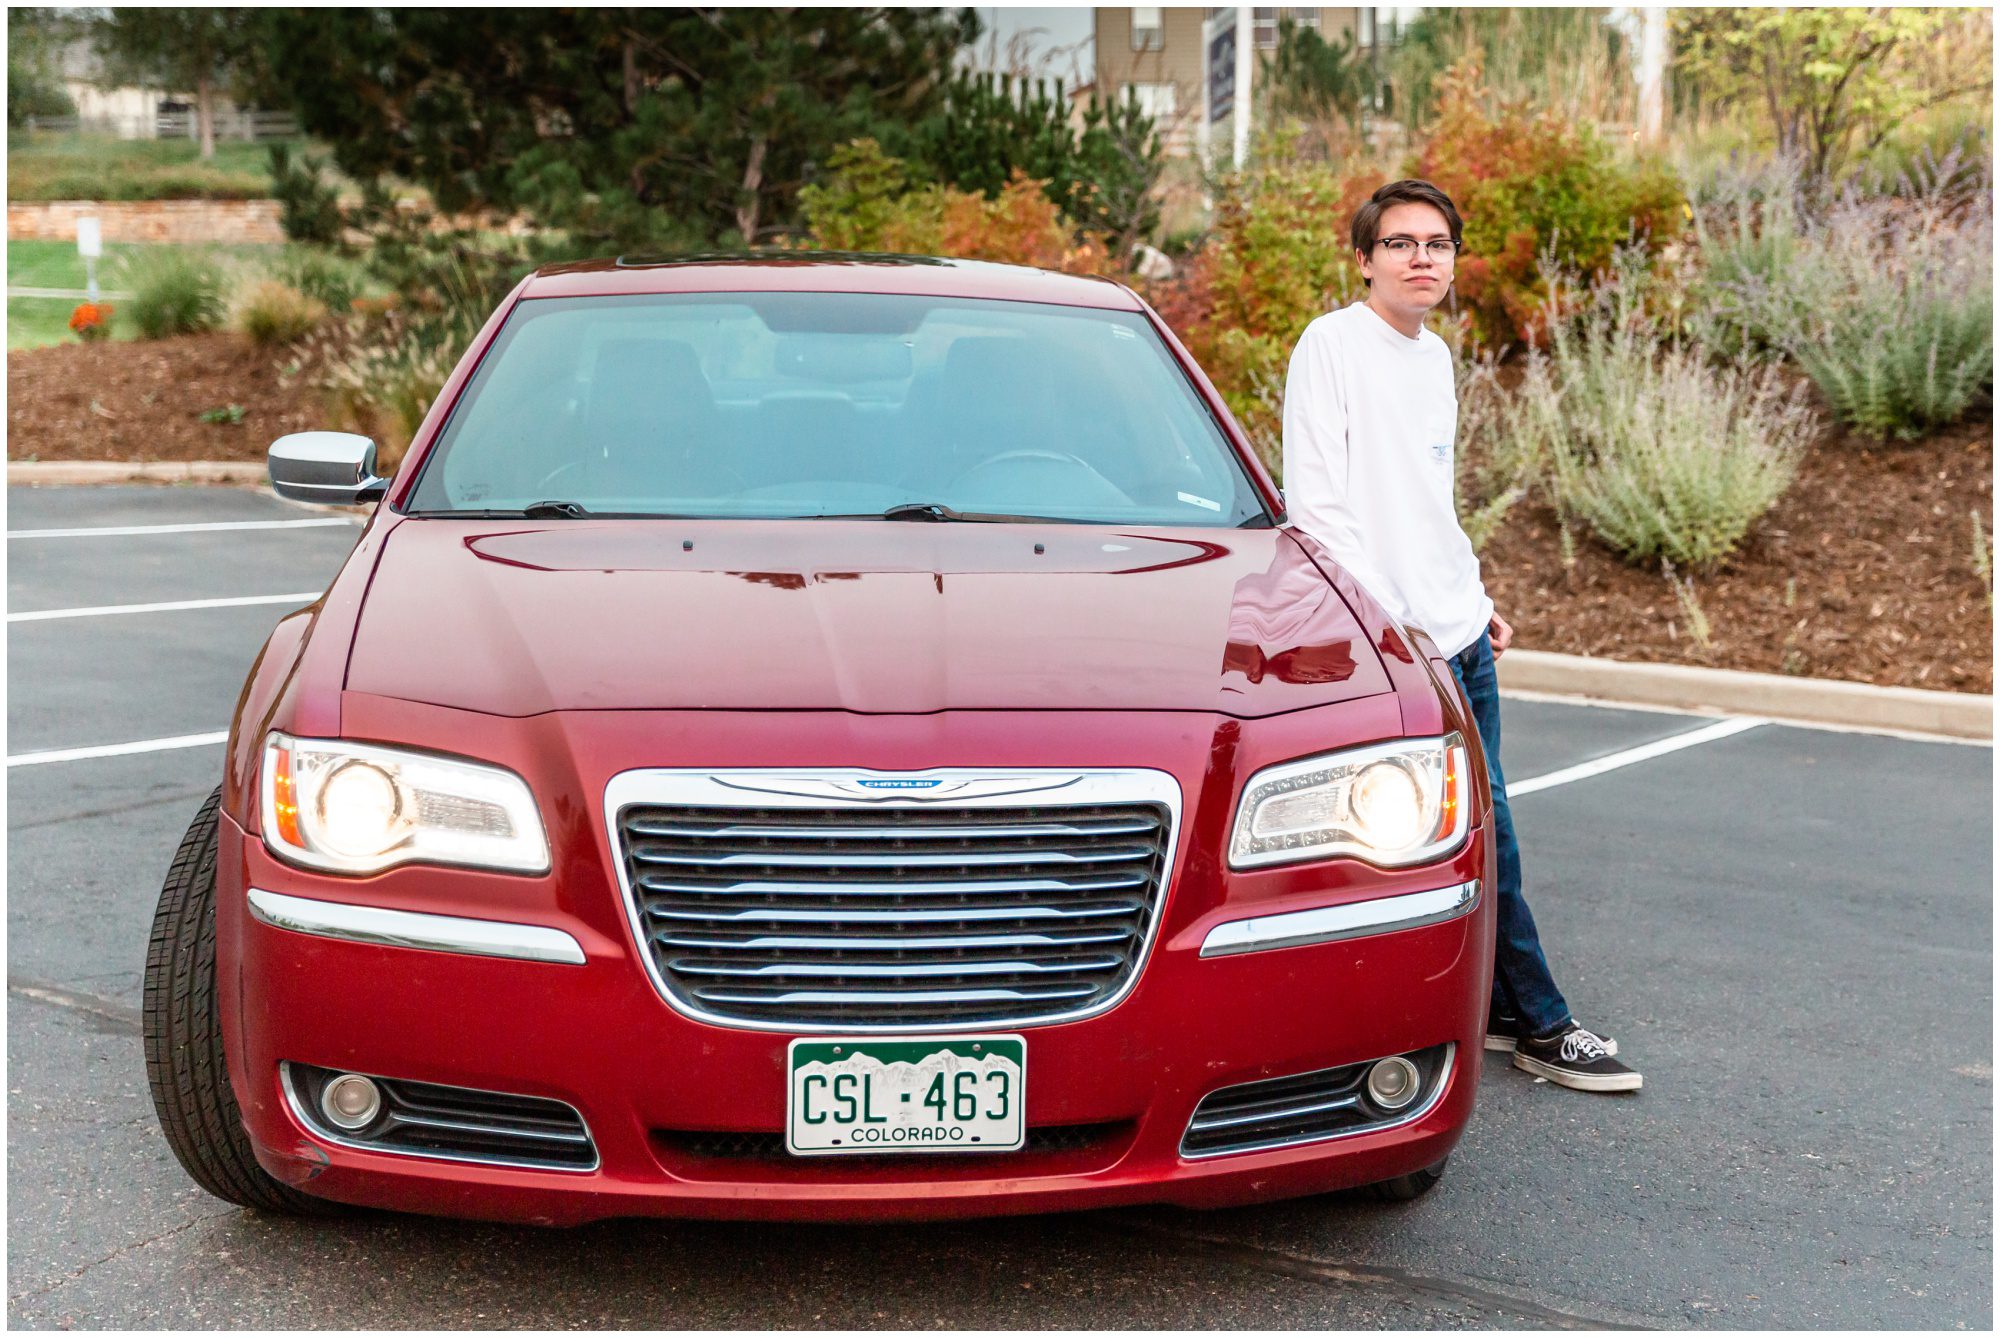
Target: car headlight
{"x":1390,"y":804}
{"x":360,"y":808}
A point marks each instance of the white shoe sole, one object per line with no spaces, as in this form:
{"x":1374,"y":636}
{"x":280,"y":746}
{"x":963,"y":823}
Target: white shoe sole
{"x":1582,"y":1082}
{"x":1506,"y":1046}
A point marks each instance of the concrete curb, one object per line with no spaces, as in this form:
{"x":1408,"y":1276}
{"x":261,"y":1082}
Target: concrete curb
{"x":1958,"y":715}
{"x":45,"y":473}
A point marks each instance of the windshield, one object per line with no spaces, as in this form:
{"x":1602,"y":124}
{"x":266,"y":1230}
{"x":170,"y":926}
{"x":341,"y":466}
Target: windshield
{"x":833,"y":404}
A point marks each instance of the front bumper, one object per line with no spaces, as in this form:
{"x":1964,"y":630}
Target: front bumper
{"x":650,"y":1083}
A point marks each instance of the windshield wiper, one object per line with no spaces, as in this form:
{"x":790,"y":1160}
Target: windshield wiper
{"x":937,"y":512}
{"x":554,"y":511}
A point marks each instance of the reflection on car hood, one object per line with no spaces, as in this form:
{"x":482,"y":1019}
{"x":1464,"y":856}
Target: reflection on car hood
{"x":519,"y":617}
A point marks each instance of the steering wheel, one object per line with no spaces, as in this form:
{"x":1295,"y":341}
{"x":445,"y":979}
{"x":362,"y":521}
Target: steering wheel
{"x":546,"y":487}
{"x":1059,"y":457}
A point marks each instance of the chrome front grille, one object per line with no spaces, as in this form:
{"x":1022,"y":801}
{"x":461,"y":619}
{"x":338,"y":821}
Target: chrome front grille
{"x":889,"y":914}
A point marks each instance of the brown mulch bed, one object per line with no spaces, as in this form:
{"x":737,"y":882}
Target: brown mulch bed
{"x":1863,"y":571}
{"x":143,"y":400}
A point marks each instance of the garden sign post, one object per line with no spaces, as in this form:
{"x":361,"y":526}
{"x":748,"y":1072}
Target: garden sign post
{"x":89,"y":245}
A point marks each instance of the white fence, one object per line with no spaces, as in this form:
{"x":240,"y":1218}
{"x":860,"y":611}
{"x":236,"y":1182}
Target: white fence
{"x":232,"y":123}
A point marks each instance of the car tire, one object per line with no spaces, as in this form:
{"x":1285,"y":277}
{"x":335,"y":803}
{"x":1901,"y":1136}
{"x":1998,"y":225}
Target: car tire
{"x":1407,"y":1187}
{"x":183,"y":1031}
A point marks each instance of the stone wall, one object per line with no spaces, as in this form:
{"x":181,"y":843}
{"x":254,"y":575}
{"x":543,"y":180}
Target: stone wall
{"x":222,"y":221}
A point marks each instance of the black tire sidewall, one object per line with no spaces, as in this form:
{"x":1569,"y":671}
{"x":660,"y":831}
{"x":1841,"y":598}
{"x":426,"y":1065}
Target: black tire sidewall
{"x":186,"y":1068}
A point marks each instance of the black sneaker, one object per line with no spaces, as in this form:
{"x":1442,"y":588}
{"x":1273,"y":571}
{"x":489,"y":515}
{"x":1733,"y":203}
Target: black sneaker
{"x":1503,"y":1031}
{"x":1575,"y":1057}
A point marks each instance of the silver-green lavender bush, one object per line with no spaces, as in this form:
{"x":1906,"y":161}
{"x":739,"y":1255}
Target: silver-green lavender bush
{"x":1636,"y":434}
{"x":1885,"y":302}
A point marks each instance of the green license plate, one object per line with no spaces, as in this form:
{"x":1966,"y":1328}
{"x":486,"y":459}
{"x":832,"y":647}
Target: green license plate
{"x":911,"y":1094}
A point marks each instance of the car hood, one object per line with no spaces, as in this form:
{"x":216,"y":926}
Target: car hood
{"x":519,"y":617}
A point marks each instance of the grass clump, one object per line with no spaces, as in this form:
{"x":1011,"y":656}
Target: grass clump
{"x":1634,"y":433}
{"x":327,"y":277}
{"x":273,"y":313}
{"x":174,"y":291}
{"x":381,"y":383}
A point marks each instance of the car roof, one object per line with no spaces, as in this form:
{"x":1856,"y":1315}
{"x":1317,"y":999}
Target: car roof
{"x":826,"y":272}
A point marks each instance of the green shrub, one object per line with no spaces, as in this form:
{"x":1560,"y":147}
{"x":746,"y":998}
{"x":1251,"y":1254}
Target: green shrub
{"x":32,"y":91}
{"x":273,"y":313}
{"x":1659,"y":453}
{"x":174,"y":291}
{"x":309,"y":209}
{"x":325,"y":276}
{"x":1531,"y":185}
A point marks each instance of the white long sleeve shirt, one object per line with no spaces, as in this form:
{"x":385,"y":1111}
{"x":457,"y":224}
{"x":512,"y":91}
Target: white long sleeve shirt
{"x":1370,"y":418}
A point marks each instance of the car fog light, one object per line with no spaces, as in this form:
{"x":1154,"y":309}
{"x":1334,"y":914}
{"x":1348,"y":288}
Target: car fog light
{"x":1393,"y":1082}
{"x":1387,"y":807}
{"x":351,"y":1101}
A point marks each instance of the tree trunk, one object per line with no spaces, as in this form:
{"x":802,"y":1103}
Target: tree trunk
{"x":1652,"y":74}
{"x":204,"y":115}
{"x":753,"y":182}
{"x":631,"y":77}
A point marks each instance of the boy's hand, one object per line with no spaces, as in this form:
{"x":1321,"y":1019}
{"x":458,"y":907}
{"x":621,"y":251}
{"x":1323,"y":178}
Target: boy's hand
{"x":1502,"y":634}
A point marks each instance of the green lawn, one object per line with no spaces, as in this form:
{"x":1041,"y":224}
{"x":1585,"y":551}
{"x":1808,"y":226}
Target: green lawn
{"x":57,"y":265}
{"x":35,"y":321}
{"x":94,"y":167}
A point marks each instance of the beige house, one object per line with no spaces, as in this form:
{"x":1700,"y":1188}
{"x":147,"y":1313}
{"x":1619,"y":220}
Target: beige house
{"x":1157,"y":53}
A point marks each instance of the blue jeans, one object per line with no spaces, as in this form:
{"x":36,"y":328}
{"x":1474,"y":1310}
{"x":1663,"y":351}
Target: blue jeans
{"x":1522,"y":985}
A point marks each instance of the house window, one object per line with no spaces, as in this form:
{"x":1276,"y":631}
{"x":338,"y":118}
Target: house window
{"x":1264,"y":24}
{"x":1148,"y":32}
{"x":1156,"y":100}
{"x":1364,"y":28}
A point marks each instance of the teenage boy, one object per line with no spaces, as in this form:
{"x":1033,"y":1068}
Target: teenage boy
{"x":1370,"y":415}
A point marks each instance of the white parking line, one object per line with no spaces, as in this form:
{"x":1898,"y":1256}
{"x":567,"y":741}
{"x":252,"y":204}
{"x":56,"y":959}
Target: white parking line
{"x":114,"y":531}
{"x":1721,"y":729}
{"x":118,"y":749}
{"x":175,"y":606}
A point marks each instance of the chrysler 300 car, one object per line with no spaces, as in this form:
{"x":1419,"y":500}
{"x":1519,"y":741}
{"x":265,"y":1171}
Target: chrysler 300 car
{"x":824,"y":737}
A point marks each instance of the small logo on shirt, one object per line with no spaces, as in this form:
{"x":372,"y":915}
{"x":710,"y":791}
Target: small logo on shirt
{"x":1441,"y":452}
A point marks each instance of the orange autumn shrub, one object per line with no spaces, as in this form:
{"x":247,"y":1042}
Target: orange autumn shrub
{"x":868,"y":203}
{"x":1531,"y":185}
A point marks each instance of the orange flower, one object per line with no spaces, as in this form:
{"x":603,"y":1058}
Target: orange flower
{"x":91,"y":320}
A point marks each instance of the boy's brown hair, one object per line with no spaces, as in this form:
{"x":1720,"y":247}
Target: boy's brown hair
{"x":1410,"y":190}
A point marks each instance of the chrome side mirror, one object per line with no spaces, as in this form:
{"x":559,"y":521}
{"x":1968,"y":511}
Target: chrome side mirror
{"x":330,"y":468}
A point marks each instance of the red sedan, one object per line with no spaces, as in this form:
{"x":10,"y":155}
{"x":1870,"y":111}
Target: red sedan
{"x":825,"y":737}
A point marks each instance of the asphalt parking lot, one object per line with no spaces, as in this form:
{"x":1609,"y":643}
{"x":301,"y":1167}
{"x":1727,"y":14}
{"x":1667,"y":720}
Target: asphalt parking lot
{"x":1789,"y":930}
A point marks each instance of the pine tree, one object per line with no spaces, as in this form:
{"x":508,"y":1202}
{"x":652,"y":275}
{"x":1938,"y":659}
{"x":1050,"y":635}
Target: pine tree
{"x":627,"y":128}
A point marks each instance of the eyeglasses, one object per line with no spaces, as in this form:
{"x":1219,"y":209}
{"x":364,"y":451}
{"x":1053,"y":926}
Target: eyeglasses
{"x":1440,"y":249}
